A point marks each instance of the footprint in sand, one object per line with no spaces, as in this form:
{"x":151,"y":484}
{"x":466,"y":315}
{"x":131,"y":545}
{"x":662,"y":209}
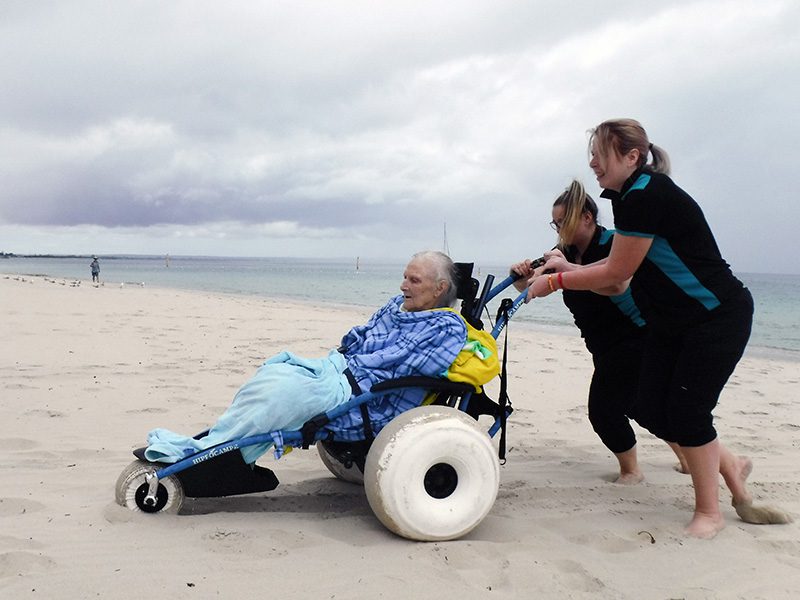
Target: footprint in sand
{"x":578,"y":578}
{"x":21,"y":444}
{"x":222,"y":535}
{"x":15,"y":564}
{"x":222,"y":540}
{"x":150,"y":409}
{"x":290,"y":539}
{"x":114,"y":513}
{"x":39,"y":412}
{"x":226,"y":539}
{"x":606,"y":541}
{"x":781,"y":547}
{"x":12,"y":507}
{"x":20,"y":386}
{"x":8,"y":541}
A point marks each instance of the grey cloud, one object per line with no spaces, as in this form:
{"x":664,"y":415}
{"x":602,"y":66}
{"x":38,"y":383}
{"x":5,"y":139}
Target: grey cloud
{"x":365,"y":118}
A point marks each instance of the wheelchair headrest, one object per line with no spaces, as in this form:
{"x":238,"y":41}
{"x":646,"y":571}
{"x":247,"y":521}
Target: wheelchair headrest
{"x":468,"y":293}
{"x":465,"y":285}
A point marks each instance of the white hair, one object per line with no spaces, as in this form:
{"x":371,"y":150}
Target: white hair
{"x":444,"y":270}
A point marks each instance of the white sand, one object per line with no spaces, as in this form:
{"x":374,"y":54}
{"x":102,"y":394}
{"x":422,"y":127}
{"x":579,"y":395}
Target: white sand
{"x":86,"y":372}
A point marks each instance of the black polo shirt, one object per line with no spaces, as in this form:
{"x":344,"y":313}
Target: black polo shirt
{"x":683,"y":276}
{"x":602,"y":320}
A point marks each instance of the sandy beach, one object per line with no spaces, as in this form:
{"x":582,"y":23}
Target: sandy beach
{"x":86,"y":372}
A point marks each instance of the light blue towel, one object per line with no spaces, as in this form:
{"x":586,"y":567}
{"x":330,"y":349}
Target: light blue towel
{"x":286,"y":391}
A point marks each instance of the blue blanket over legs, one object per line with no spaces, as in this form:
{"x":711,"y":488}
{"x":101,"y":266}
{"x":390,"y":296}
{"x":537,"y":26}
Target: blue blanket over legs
{"x":286,"y":391}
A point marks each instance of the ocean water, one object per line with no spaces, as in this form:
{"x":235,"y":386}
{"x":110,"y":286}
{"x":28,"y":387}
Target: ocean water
{"x":365,"y":283}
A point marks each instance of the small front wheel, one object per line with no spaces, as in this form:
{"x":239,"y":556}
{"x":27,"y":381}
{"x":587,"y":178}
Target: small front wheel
{"x":132,"y":487}
{"x":351,"y":474}
{"x":431,"y":474}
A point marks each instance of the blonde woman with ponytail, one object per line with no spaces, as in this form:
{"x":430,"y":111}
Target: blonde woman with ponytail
{"x":698,"y":313}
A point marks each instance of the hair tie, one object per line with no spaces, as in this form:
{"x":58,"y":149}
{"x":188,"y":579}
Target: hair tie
{"x":650,"y":147}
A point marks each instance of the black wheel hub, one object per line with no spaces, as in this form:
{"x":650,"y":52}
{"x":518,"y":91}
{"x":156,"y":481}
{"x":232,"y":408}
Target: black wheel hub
{"x":441,"y":480}
{"x":162,"y":495}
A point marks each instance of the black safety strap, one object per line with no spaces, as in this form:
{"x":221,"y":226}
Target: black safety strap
{"x":369,"y":435}
{"x":310,"y":428}
{"x":505,"y":305}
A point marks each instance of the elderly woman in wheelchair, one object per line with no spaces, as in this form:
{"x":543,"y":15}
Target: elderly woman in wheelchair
{"x":388,"y":408}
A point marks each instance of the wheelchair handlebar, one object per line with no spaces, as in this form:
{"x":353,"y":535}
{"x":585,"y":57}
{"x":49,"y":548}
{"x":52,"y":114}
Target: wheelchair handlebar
{"x":535,"y":264}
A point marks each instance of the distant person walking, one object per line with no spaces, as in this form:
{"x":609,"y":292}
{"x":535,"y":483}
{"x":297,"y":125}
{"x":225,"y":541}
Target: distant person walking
{"x":95,"y":266}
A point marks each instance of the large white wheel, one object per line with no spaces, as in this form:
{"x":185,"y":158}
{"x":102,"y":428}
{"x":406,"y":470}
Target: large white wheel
{"x":431,"y":474}
{"x":132,"y":488}
{"x":352,"y":474}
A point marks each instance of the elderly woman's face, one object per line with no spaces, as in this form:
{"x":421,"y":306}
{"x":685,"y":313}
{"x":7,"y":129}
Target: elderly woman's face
{"x":420,"y":288}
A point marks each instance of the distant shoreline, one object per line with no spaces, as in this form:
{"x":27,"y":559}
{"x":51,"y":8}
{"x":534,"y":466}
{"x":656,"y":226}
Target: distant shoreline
{"x":754,"y":351}
{"x":328,"y":259}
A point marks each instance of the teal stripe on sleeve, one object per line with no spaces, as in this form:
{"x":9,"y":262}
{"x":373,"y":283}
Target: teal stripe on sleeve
{"x":635,"y":233}
{"x":626,"y":304}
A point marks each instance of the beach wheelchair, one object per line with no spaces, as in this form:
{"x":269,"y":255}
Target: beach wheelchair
{"x":432,"y":473}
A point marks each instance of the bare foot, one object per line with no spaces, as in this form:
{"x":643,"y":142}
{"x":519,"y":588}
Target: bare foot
{"x":704,"y":526}
{"x":744,"y":467}
{"x":630,"y":478}
{"x":682,"y":467}
{"x":749,"y":512}
{"x":762,"y":515}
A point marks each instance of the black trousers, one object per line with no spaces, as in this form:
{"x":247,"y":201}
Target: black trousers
{"x":612,"y":393}
{"x":685,"y":369}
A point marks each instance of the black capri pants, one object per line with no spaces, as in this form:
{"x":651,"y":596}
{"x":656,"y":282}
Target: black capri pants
{"x":612,"y":393}
{"x":684,"y":371}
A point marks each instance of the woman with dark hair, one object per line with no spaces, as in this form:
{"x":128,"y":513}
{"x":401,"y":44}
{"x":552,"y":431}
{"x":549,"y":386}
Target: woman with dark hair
{"x":611,"y":325}
{"x":698,"y":314}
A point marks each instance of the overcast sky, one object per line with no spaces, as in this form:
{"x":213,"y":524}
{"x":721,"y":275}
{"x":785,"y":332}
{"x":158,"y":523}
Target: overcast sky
{"x":355,"y":128}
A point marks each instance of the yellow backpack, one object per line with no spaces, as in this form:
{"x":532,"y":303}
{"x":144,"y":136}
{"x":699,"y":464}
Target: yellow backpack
{"x":477,"y":363}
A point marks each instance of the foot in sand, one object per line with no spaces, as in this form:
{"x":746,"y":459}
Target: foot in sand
{"x":629,"y":471}
{"x":630,"y":478}
{"x":762,"y":515}
{"x":682,"y":467}
{"x":705,"y":526}
{"x":743,"y":466}
{"x":743,"y":501}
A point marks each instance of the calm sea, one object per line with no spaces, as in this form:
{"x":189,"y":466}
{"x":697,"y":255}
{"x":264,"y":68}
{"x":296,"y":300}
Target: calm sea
{"x":365,"y":283}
